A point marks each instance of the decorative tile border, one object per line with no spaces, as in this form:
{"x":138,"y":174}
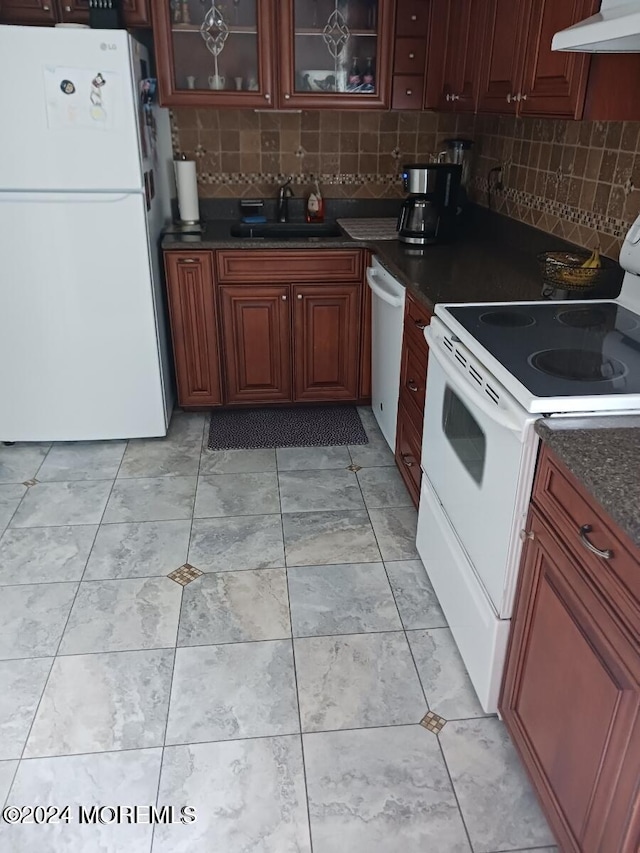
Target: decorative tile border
{"x":588,"y":218}
{"x":243,"y":179}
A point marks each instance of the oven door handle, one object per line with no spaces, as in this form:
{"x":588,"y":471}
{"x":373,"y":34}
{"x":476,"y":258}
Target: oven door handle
{"x":466,"y":390}
{"x":390,"y":298}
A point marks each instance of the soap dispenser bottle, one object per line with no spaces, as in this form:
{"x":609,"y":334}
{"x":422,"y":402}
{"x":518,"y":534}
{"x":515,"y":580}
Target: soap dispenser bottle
{"x":315,"y":206}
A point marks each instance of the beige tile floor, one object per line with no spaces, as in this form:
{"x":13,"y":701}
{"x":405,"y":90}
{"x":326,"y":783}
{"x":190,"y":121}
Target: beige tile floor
{"x":279,"y":693}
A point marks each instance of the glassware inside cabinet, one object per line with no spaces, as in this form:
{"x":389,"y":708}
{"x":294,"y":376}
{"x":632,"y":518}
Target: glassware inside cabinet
{"x":335,"y":46}
{"x":215,"y":44}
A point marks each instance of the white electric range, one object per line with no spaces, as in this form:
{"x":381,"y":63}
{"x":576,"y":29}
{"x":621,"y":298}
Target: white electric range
{"x":494,"y":369}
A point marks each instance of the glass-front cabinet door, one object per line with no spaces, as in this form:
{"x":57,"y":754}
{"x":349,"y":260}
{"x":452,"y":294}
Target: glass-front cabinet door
{"x":336,"y":51}
{"x":211,"y":52}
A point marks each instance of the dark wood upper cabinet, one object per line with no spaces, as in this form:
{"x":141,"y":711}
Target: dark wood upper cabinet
{"x":456,"y":52}
{"x":571,"y":691}
{"x":39,"y":12}
{"x":505,"y":31}
{"x":554,"y":82}
{"x":135,"y":13}
{"x":256,"y":334}
{"x":191,"y":297}
{"x":227,"y":63}
{"x":312,"y":48}
{"x":326,"y":341}
{"x":519,"y":73}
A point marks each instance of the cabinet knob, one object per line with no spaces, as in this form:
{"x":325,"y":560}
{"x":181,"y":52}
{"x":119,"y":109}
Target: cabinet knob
{"x":412,"y":386}
{"x":407,"y":460}
{"x":523,"y":97}
{"x":414,"y":17}
{"x":420,"y":324}
{"x":284,"y":297}
{"x":67,"y":8}
{"x":409,"y":92}
{"x":510,"y":98}
{"x":287,"y":96}
{"x":447,"y":97}
{"x":455,"y":97}
{"x":299,"y":296}
{"x":267,"y":96}
{"x":412,"y":55}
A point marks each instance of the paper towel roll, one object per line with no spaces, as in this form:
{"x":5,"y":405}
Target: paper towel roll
{"x":187,"y":186}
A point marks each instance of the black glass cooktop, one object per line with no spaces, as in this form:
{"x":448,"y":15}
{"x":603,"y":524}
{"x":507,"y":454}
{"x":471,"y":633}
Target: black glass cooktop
{"x":560,"y":350}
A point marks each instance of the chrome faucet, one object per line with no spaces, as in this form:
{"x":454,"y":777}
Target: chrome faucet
{"x":284,"y":194}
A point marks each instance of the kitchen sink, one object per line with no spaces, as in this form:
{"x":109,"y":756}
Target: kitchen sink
{"x":286,"y":230}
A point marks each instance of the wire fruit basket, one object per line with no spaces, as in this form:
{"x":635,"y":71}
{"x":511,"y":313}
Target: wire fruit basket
{"x":565,"y":270}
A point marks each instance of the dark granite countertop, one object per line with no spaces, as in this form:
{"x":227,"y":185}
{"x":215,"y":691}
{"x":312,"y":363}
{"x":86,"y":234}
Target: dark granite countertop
{"x":492,"y":260}
{"x":604,"y":454}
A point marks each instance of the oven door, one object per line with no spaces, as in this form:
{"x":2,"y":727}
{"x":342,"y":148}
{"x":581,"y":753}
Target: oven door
{"x":478,"y":453}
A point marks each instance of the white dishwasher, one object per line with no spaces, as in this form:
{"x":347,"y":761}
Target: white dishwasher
{"x":387,"y":321}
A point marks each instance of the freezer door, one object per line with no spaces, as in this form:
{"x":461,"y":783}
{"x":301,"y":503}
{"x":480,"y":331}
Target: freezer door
{"x":78,"y":340}
{"x":69,"y":118}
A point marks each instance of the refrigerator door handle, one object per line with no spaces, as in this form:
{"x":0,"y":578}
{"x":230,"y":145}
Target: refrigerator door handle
{"x":67,"y":198}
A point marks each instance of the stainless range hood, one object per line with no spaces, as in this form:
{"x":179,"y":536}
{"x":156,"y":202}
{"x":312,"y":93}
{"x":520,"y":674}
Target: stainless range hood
{"x":615,"y":29}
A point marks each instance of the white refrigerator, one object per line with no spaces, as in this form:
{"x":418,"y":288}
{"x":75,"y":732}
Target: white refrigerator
{"x":85,"y":189}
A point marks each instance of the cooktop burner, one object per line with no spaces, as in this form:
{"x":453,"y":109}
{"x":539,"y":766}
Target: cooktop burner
{"x":506,"y":318}
{"x":583,"y":318}
{"x":559,"y":350}
{"x":578,"y":365}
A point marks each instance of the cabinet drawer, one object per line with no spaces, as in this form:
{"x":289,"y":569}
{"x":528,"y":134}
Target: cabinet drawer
{"x":407,"y":92}
{"x":409,"y":56}
{"x":417,"y":318}
{"x":569,"y":507}
{"x":412,"y":18}
{"x":413,"y":381}
{"x":408,"y":450}
{"x":266,"y":265}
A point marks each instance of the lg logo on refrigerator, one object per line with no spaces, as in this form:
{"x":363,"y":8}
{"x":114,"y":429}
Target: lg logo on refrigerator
{"x":105,"y":46}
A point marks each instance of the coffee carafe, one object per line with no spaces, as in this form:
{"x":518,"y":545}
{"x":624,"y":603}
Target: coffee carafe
{"x":428,"y":213}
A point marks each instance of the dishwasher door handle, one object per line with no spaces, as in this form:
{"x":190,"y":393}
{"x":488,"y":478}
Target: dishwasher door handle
{"x":387,"y":296}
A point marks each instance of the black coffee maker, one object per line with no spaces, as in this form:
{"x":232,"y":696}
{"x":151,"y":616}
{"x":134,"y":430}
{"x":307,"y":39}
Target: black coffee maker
{"x":428,"y":214}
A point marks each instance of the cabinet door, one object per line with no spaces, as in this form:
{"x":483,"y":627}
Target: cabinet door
{"x":326,"y":341}
{"x":334,"y":54}
{"x":215,"y":55}
{"x":408,"y":452}
{"x":501,"y":64}
{"x":193,"y":327}
{"x":554,"y":83}
{"x":462,"y":45}
{"x":571,"y":701}
{"x":27,"y":12}
{"x":135,"y":13}
{"x":256,"y":335}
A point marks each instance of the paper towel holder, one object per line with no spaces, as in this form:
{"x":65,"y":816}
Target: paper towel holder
{"x":188,"y":226}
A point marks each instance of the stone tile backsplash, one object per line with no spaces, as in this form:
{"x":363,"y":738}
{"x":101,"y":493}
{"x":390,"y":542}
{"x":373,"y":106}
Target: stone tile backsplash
{"x":577,"y":179}
{"x":580,"y":180}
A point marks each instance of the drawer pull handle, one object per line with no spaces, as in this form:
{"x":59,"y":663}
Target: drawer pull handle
{"x":607,"y":554}
{"x":411,"y":385}
{"x":407,"y":460}
{"x":188,"y":261}
{"x":420,"y":324}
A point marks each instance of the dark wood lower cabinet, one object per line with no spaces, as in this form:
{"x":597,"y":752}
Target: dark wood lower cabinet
{"x":326,"y":334}
{"x":571,"y":696}
{"x":256,"y":339}
{"x":413,"y":385}
{"x":192,"y":311}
